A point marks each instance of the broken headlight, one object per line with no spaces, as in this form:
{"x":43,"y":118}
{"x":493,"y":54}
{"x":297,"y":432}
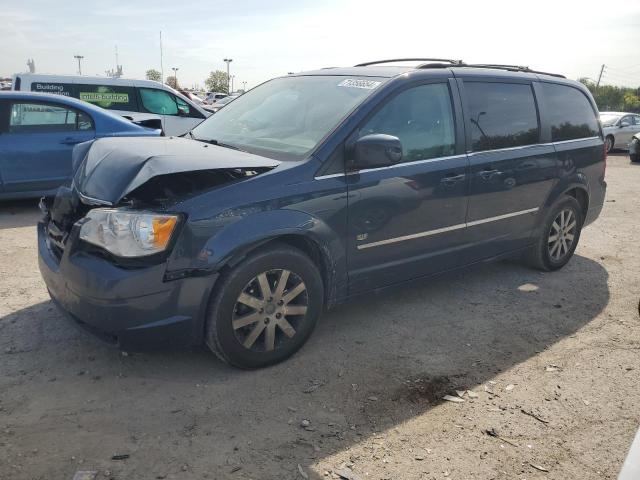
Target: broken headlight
{"x":127,"y":233}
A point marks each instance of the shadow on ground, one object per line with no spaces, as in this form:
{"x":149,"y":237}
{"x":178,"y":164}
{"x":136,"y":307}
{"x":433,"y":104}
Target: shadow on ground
{"x":19,"y":213}
{"x":369,"y":366}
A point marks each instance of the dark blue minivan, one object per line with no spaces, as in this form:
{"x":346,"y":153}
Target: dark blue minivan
{"x":316,"y":187}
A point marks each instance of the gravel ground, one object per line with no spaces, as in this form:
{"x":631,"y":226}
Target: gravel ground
{"x":552,"y":360}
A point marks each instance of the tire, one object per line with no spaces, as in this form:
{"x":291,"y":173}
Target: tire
{"x":610,"y":142}
{"x":551,"y":253}
{"x":265,"y":330}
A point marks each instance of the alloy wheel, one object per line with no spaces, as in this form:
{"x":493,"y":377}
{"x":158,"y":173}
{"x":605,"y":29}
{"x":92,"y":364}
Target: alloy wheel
{"x":562,"y":234}
{"x":272,"y":306}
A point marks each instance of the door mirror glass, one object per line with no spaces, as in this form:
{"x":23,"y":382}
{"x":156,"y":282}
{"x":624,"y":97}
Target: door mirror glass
{"x":376,"y":150}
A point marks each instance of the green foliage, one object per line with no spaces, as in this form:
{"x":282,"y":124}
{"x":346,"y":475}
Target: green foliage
{"x":153,"y":74}
{"x":173,"y":82}
{"x":217,"y":82}
{"x":610,"y":98}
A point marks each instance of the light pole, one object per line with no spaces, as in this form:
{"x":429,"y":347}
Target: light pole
{"x":244,"y":86}
{"x":228,"y":61}
{"x":232,"y":78}
{"x":175,"y":77}
{"x":79,"y":58}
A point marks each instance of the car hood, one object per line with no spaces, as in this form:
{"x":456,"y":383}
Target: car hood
{"x":107,"y":169}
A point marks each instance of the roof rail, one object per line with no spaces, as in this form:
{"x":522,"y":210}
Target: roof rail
{"x":395,"y":60}
{"x":447,"y":63}
{"x":509,"y":68}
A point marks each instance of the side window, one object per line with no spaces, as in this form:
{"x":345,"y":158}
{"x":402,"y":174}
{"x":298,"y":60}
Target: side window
{"x":570,"y":113}
{"x":111,"y":97}
{"x":636,"y":119}
{"x":158,"y":101}
{"x":43,"y":118}
{"x":183,"y":107}
{"x":628,"y":119}
{"x":422,"y":118}
{"x":501,"y":115}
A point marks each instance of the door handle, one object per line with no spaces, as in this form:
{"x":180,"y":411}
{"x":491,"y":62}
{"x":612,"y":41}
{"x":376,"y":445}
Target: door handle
{"x":489,"y":173}
{"x":452,"y":179}
{"x":70,"y":141}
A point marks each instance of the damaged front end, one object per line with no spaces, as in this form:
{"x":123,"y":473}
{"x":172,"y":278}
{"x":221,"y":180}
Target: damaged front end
{"x":103,"y":243}
{"x":136,"y":182}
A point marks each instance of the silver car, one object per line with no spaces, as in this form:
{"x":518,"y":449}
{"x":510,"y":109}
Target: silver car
{"x":619,"y":128}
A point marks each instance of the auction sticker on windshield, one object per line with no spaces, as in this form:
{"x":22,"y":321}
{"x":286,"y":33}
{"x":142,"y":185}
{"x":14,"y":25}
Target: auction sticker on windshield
{"x":358,"y":83}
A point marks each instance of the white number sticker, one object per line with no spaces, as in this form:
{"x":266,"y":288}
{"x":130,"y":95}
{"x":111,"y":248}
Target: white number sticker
{"x":358,"y":83}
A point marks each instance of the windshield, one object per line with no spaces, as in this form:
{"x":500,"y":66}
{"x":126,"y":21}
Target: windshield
{"x":608,"y":118}
{"x":286,"y":117}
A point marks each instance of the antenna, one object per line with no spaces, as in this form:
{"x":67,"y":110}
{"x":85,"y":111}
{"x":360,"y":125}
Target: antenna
{"x":161,"y":66}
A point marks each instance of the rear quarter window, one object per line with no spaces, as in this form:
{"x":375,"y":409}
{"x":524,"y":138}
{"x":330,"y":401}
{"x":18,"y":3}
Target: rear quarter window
{"x":501,"y":115}
{"x":569,"y":113}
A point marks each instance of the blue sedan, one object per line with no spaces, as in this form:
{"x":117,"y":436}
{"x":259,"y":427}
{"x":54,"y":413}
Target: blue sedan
{"x":37,"y":135}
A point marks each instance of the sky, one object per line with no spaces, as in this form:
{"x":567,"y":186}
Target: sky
{"x":266,"y":39}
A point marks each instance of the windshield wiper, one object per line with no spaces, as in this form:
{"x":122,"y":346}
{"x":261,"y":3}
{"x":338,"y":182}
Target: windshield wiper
{"x":213,"y":141}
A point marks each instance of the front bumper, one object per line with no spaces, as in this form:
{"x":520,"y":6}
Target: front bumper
{"x":129,"y":308}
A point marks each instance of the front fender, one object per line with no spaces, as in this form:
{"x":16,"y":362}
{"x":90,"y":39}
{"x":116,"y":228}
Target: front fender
{"x":229,"y":245}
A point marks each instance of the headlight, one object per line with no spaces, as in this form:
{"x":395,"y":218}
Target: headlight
{"x":127,"y":233}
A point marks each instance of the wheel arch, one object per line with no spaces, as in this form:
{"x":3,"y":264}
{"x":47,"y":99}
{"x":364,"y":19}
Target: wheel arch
{"x":299,"y":230}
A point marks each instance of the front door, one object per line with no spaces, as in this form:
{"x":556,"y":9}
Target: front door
{"x":408,"y":220}
{"x":629,"y":125}
{"x":511,"y":170}
{"x":37,"y":145}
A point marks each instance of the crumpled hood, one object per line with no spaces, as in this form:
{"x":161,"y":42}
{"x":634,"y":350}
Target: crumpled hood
{"x":107,"y":169}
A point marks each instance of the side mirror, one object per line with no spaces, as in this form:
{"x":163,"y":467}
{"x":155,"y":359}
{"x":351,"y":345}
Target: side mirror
{"x":376,"y":150}
{"x":183,"y":111}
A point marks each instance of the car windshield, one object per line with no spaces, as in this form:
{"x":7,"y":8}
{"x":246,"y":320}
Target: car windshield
{"x":609,"y":118}
{"x":287,"y":117}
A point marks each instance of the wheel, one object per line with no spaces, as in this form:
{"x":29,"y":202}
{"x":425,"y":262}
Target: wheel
{"x":634,"y":150}
{"x":265,"y":308}
{"x":609,"y":143}
{"x":559,"y":236}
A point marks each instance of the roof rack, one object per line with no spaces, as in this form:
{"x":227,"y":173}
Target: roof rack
{"x":511,"y":68}
{"x":395,"y":60}
{"x":447,"y":63}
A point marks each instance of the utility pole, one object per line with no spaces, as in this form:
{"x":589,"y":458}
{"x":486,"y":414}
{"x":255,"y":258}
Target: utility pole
{"x":161,"y":66}
{"x":228,"y":61}
{"x":600,"y":76}
{"x":79,"y":58}
{"x":175,"y":76}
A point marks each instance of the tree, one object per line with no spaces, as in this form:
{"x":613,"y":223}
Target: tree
{"x":153,"y":74}
{"x":608,"y":97}
{"x":172,"y":82}
{"x":218,"y":81}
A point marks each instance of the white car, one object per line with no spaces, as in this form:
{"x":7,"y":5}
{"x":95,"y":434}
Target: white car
{"x":619,"y":128}
{"x":213,"y":97}
{"x":133,"y":99}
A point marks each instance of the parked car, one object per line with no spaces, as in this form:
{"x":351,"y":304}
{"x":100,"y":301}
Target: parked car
{"x":132,"y":99}
{"x":634,"y":148}
{"x":619,"y":128}
{"x":222,"y":102}
{"x":314,"y":188}
{"x":213,"y":97}
{"x":37,"y":134}
{"x":197,"y":100}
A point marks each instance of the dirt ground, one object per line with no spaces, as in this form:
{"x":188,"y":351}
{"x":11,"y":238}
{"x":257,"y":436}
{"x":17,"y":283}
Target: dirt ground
{"x":553,"y":361}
